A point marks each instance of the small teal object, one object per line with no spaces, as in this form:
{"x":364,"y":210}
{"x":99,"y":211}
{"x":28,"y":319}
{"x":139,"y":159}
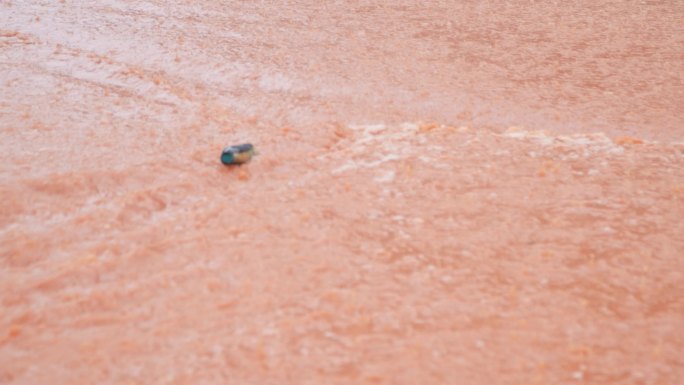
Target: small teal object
{"x":238,"y":154}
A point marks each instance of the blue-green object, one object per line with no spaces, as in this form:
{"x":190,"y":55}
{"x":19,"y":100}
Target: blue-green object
{"x":238,"y":154}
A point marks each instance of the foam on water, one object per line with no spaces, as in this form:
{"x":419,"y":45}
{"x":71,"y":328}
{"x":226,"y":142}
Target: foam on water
{"x":395,"y":253}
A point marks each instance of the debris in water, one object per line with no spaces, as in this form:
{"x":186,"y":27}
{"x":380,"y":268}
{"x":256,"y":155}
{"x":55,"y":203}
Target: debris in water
{"x":243,"y":175}
{"x":427,"y":127}
{"x":238,"y":154}
{"x":628,"y":140}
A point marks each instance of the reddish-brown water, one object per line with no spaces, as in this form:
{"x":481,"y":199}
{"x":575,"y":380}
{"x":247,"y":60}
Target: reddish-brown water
{"x":531,"y":235}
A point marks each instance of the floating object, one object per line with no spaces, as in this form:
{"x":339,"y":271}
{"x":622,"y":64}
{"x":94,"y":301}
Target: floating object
{"x":238,"y":154}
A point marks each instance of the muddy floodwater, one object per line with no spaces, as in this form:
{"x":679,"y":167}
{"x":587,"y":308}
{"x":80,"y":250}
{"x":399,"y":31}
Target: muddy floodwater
{"x":444,"y":192}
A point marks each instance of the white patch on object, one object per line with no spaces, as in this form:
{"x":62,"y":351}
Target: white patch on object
{"x":371,"y":128}
{"x":356,"y":165}
{"x":387,"y":176}
{"x":594,"y":141}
